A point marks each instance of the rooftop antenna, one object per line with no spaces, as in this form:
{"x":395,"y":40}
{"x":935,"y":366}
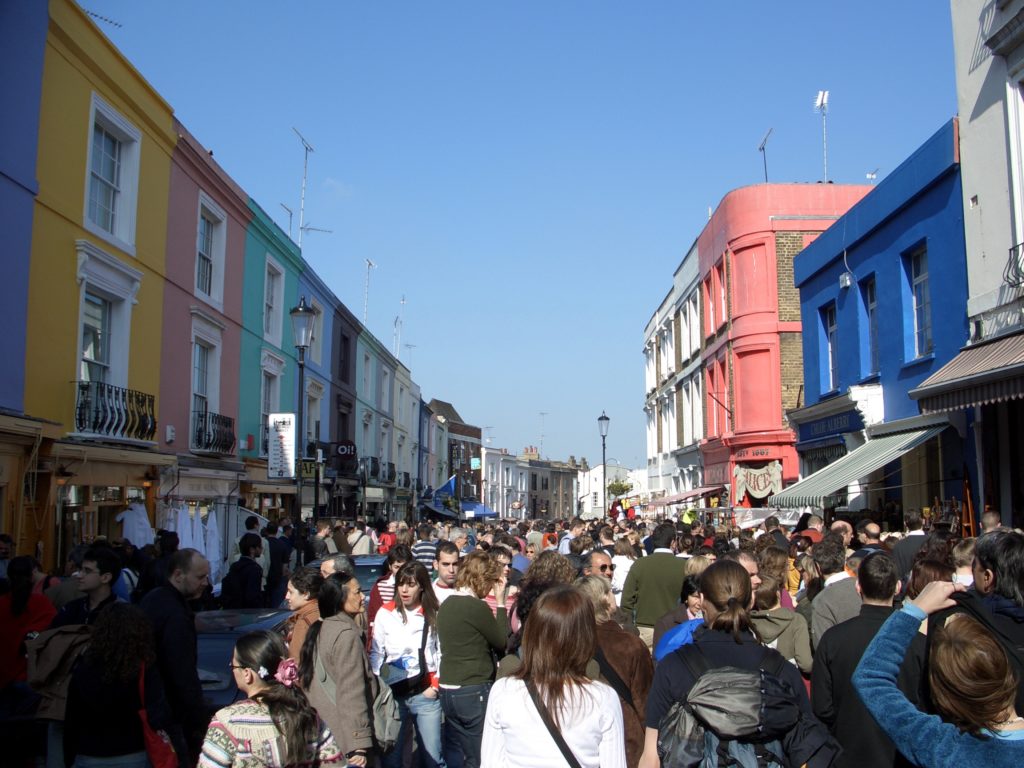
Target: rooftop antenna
{"x":311,"y":228}
{"x":488,"y":440}
{"x":821,"y":105}
{"x":410,"y":347}
{"x":305,"y":165}
{"x":104,"y":19}
{"x":764,"y":153}
{"x":397,"y":342}
{"x":366,"y":294}
{"x":542,"y":415}
{"x":872,"y":175}
{"x":290,"y":214}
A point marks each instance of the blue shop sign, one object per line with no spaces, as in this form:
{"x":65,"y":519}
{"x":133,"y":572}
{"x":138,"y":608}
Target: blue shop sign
{"x":848,"y":421}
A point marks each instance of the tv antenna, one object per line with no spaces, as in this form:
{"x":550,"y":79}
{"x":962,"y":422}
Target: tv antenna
{"x":311,"y":228}
{"x":764,"y":153}
{"x":397,"y":342}
{"x":366,"y":293}
{"x":305,"y":167}
{"x":290,"y":214}
{"x":872,"y":175}
{"x":410,"y":348}
{"x":542,"y":415}
{"x":821,"y":105}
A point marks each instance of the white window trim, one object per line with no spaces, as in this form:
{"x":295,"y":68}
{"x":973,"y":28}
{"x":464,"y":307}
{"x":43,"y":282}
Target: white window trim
{"x":273,"y":365}
{"x":100,"y":111}
{"x":209,"y":330}
{"x":219,"y":247}
{"x":108,"y":277}
{"x":317,"y":345}
{"x":277,"y":321}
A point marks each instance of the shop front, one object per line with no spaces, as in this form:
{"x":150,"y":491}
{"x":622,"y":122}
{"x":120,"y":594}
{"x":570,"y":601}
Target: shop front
{"x":750,"y":472}
{"x":88,"y":487}
{"x":270,"y":498}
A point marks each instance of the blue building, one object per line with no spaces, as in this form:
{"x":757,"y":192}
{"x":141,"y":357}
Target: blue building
{"x":882,"y":296}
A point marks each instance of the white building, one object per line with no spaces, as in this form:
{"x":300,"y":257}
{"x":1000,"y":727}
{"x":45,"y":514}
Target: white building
{"x":592,"y":482}
{"x":504,"y":481}
{"x":673,"y":402}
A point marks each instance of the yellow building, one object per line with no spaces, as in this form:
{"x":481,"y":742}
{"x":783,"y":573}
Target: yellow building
{"x":96,"y":286}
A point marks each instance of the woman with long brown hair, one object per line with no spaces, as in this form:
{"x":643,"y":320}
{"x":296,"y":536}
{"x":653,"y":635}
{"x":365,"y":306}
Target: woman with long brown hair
{"x":405,"y":654}
{"x":728,"y":639}
{"x":552,"y":685}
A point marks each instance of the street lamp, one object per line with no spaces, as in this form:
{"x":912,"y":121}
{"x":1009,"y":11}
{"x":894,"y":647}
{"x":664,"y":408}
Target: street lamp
{"x":302,"y":329}
{"x":602,"y":426}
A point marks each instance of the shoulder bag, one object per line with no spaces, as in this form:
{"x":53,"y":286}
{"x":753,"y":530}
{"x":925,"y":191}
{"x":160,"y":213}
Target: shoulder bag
{"x":570,"y":758}
{"x":416,"y":683}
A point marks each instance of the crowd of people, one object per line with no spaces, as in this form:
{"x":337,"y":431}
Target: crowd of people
{"x":533,"y":644}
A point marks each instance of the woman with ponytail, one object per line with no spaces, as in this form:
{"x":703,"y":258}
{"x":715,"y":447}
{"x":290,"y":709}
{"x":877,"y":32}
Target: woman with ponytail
{"x":728,"y":638}
{"x":275,"y":726}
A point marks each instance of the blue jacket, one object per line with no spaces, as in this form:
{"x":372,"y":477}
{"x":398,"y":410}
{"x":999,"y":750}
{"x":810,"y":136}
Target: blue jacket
{"x":677,"y":637}
{"x":923,"y":739}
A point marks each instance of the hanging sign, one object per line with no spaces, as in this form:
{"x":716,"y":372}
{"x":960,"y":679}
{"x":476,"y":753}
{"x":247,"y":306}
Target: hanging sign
{"x":281,"y":450}
{"x":758,"y":482}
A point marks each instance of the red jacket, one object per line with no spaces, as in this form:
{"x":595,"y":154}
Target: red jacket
{"x":36,"y":617}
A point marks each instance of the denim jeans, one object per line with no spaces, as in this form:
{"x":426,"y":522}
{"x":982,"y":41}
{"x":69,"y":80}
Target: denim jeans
{"x":427,"y":713}
{"x":464,"y":710}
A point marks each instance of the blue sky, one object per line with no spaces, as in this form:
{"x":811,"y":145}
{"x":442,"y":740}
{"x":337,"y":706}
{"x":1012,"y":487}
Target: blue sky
{"x":529,"y":174}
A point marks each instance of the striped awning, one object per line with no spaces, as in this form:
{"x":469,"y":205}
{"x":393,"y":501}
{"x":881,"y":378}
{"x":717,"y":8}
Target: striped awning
{"x":992,"y":372}
{"x":678,"y":497}
{"x":877,"y":452}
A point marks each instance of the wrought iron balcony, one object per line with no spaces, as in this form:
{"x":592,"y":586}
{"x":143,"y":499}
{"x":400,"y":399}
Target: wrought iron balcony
{"x":107,"y":411}
{"x":212,"y":432}
{"x":1013,"y":274}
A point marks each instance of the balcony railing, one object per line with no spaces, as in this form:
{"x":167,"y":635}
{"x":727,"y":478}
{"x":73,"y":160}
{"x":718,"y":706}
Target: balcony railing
{"x":1013,"y":274}
{"x":212,"y":432}
{"x":108,"y":411}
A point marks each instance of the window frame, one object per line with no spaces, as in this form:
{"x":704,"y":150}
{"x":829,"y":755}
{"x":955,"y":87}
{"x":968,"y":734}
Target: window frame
{"x":273,"y":302}
{"x":830,"y":336}
{"x":122,"y":233}
{"x":213,"y":213}
{"x":924,"y":340}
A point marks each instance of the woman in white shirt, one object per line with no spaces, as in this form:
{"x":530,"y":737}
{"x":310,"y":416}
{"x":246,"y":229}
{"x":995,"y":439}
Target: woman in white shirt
{"x":623,"y":560}
{"x":405,"y":654}
{"x":558,"y":641}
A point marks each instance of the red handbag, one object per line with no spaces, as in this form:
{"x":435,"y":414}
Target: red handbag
{"x":159,"y":748}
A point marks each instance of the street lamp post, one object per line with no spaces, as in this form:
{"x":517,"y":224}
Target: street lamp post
{"x":602,"y":426}
{"x":302,"y":329}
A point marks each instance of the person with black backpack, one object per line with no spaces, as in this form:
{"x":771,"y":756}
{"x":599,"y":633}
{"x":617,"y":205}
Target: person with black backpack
{"x":750,"y":688}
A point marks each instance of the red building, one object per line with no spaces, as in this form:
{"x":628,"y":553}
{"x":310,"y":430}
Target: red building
{"x":750,"y":316}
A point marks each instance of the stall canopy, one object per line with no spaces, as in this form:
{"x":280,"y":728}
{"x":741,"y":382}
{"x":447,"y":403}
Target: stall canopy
{"x":476,"y":509}
{"x":437,"y":509}
{"x":877,"y":452}
{"x":679,"y":497}
{"x":985,"y":373}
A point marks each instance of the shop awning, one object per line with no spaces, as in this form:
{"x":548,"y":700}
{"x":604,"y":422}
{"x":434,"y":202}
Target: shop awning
{"x":438,"y":510}
{"x":678,"y":497}
{"x":877,"y":452}
{"x":476,"y":509}
{"x":981,"y":374}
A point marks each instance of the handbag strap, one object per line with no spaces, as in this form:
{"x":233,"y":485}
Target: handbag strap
{"x":570,"y":758}
{"x":613,"y":678}
{"x":142,"y":684}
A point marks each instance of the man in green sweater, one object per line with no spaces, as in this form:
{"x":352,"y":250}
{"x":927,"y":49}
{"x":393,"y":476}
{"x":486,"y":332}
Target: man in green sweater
{"x":654,"y":582}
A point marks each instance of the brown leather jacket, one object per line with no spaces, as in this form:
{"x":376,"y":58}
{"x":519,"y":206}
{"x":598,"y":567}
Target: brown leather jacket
{"x":631,"y":660}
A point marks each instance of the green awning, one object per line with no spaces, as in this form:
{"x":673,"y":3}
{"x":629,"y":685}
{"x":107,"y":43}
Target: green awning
{"x":877,"y":452}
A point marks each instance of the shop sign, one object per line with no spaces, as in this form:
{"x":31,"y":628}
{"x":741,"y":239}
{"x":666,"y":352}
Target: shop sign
{"x":716,"y":474}
{"x":346,"y":449}
{"x":281,"y":451}
{"x":308,"y":469}
{"x":840,"y":423}
{"x":759,"y":483}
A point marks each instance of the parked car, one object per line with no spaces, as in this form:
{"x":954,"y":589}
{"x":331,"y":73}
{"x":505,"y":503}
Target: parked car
{"x":368,"y":570}
{"x":217,"y":632}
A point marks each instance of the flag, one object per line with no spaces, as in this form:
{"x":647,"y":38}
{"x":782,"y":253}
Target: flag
{"x":446,"y":490}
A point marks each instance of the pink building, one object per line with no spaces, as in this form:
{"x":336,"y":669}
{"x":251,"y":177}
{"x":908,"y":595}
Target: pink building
{"x":751,"y":353}
{"x":207,"y":219}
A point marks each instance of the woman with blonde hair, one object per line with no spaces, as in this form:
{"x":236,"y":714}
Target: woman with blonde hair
{"x":624,"y":661}
{"x":551,"y":693}
{"x":469,"y":634}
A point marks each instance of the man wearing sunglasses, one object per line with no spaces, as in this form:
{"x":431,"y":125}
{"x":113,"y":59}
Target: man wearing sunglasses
{"x":597,"y":563}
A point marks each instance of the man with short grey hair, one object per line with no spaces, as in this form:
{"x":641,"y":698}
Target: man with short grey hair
{"x":459,"y":537}
{"x":337,"y":564}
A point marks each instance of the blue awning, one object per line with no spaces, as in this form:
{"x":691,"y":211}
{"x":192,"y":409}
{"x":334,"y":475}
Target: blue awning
{"x":476,"y":509}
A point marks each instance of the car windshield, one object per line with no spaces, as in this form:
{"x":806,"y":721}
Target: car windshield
{"x":208,"y":622}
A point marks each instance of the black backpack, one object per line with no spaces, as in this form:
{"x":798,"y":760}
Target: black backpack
{"x":739,"y":717}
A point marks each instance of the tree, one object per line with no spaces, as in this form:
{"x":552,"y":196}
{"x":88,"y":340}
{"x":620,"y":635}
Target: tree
{"x":619,"y":488}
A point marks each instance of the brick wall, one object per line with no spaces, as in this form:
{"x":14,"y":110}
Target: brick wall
{"x":787,"y":246}
{"x":791,"y":355}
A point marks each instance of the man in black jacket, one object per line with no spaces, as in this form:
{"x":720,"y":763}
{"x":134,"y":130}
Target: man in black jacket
{"x":835,"y":701}
{"x":905,"y":549}
{"x":242,"y":587}
{"x":96,"y":576}
{"x":174,"y":629}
